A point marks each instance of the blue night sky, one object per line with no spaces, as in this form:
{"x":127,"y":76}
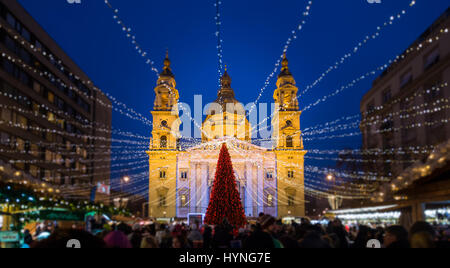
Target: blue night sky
{"x":254,"y":33}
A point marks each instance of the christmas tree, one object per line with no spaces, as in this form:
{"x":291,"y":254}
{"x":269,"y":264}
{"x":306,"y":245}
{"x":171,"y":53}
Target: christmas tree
{"x":225,"y":202}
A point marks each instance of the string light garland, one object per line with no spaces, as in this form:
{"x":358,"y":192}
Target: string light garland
{"x":24,"y":198}
{"x":129,"y":34}
{"x":292,"y":37}
{"x":218,"y":20}
{"x":437,"y":159}
{"x":48,"y":118}
{"x":128,"y":111}
{"x":367,"y":38}
{"x":416,"y":49}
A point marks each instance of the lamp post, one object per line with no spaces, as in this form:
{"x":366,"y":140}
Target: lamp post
{"x":332,"y":178}
{"x":124,"y":180}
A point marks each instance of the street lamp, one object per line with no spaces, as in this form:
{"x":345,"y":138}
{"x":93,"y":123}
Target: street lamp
{"x":330,"y":177}
{"x":124,"y":180}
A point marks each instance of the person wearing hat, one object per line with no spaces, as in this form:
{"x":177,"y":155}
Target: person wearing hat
{"x":268,"y":226}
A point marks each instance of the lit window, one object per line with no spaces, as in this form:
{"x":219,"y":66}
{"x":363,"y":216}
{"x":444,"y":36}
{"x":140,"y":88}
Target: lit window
{"x":51,"y":117}
{"x":289,"y":142}
{"x":163,"y":142}
{"x":183,"y":200}
{"x":51,"y":97}
{"x":184,"y":175}
{"x":270,"y":200}
{"x":290,"y":174}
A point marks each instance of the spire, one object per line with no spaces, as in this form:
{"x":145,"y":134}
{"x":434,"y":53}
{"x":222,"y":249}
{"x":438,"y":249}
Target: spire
{"x":226,"y":93}
{"x":285,"y":67}
{"x":167,"y":70}
{"x":225,"y":80}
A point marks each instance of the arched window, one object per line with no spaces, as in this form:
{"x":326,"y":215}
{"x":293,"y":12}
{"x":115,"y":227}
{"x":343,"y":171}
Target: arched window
{"x":163,"y":142}
{"x":270,"y":200}
{"x":289,"y":142}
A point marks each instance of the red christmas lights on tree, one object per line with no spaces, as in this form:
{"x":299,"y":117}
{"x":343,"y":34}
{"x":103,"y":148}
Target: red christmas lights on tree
{"x":225,"y":202}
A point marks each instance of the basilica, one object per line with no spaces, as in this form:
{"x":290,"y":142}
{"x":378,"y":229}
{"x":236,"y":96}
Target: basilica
{"x":269,"y":180}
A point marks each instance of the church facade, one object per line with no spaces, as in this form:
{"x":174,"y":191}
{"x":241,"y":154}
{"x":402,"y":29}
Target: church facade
{"x":269,"y":181}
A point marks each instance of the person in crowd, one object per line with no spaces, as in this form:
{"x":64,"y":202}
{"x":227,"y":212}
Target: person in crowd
{"x":195,"y":236}
{"x":180,"y":242}
{"x":59,"y":239}
{"x":422,"y":235}
{"x":207,"y":237}
{"x":161,"y":233}
{"x":264,"y":234}
{"x":289,"y":242}
{"x":136,"y":236}
{"x":363,"y":236}
{"x":223,"y":235}
{"x":336,"y":227}
{"x":149,"y":242}
{"x":261,"y":237}
{"x":396,"y":237}
{"x":27,"y":238}
{"x":117,"y":239}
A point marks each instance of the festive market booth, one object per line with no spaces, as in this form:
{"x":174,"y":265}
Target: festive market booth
{"x":422,"y":190}
{"x":378,"y":215}
{"x":23,"y":207}
{"x":420,"y":193}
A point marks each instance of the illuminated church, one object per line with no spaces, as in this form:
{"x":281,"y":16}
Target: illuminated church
{"x":269,"y":181}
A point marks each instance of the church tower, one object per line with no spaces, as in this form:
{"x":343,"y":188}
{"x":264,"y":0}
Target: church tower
{"x":164,"y":145}
{"x":288,"y":145}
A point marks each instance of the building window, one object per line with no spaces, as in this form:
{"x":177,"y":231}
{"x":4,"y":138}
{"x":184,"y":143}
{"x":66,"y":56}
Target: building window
{"x":291,"y":201}
{"x":183,"y":200}
{"x":51,"y":97}
{"x":289,"y":142}
{"x":184,"y":175}
{"x":406,"y":79}
{"x":291,"y":174}
{"x":387,"y":95}
{"x":162,"y":174}
{"x":162,"y":201}
{"x":270,"y":200}
{"x":163,"y":142}
{"x":432,"y":59}
{"x":37,"y":87}
{"x":269,"y":175}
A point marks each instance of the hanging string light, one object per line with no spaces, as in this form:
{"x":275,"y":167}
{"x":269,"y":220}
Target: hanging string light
{"x":218,"y":20}
{"x":390,"y":21}
{"x":292,"y":37}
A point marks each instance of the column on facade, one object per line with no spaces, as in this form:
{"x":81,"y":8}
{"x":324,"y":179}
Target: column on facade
{"x":249,"y":196}
{"x":192,"y":187}
{"x":204,"y":187}
{"x":260,"y":179}
{"x":198,"y":187}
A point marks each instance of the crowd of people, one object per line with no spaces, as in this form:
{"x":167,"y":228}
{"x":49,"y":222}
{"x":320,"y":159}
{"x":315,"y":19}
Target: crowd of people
{"x":266,"y":233}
